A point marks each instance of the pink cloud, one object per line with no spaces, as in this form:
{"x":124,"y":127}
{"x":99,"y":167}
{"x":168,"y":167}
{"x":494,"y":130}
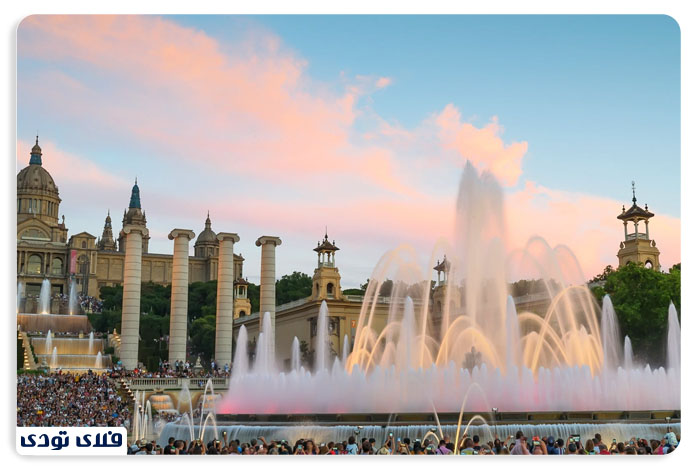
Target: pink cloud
{"x":383,"y":82}
{"x":69,"y":169}
{"x":585,"y":223}
{"x":482,"y":146}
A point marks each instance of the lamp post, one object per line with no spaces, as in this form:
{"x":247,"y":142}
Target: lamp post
{"x":668,"y":419}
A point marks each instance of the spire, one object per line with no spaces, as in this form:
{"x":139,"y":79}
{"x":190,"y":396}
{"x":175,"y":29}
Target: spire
{"x":36,"y":153}
{"x":207,"y":221}
{"x":135,"y":196}
{"x":633,"y":186}
{"x":106,"y":242}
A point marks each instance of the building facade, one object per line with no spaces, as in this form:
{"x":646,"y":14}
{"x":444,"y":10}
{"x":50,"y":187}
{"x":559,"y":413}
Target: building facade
{"x":45,"y":251}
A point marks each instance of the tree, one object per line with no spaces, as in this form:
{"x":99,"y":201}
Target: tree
{"x":641,"y":298}
{"x":293,"y":287}
{"x":202,"y":299}
{"x":386,"y":288}
{"x":354,"y":292}
{"x":106,"y":321}
{"x":608,"y":270}
{"x":153,"y":346}
{"x":203,"y":337}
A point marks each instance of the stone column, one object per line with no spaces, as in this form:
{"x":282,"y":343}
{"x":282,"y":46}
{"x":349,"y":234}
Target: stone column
{"x":180,"y":283}
{"x":130,"y":315}
{"x":225,"y":298}
{"x":267,"y":292}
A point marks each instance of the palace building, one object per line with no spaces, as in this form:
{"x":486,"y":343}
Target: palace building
{"x":44,"y":250}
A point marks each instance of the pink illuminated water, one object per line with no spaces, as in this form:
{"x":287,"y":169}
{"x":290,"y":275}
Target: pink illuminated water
{"x":467,"y":343}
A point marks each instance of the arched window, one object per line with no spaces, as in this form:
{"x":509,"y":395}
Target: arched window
{"x":330,"y":289}
{"x":34,"y":265}
{"x":84,"y":244}
{"x":648,"y":264}
{"x":57,"y":266}
{"x":242,"y":313}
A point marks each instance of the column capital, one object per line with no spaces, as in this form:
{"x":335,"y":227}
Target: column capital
{"x":181,"y":232}
{"x":268,"y":240}
{"x":128,"y":228}
{"x":223,"y":236}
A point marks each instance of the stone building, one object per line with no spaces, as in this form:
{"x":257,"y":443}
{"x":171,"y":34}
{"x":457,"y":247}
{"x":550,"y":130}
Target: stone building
{"x":44,"y":249}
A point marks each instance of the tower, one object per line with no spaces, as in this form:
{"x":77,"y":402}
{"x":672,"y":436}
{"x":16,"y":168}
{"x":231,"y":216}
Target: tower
{"x":326,"y":280}
{"x":107,"y":241}
{"x":637,"y":247}
{"x":134,"y":216}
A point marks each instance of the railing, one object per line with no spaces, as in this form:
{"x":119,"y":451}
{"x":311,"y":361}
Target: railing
{"x":290,"y":305}
{"x":641,"y":235}
{"x":542,"y":296}
{"x":150,"y":383}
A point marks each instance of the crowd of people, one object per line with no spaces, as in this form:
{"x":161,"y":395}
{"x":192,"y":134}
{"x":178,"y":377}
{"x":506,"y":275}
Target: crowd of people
{"x":90,"y":304}
{"x":63,"y":399}
{"x":177,"y":369}
{"x":519,"y":445}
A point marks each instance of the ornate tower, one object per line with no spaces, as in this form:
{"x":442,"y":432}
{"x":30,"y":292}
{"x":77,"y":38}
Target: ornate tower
{"x":326,"y":279}
{"x":37,"y":194}
{"x":107,"y":241}
{"x":206,"y":244}
{"x":637,"y":247}
{"x":134,"y":216}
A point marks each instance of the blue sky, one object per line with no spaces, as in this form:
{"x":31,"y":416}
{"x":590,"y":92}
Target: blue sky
{"x":563,"y":108}
{"x":591,"y":93}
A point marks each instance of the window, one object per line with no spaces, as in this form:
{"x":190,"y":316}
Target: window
{"x":330,"y":289}
{"x":84,"y":244}
{"x":57,"y":266}
{"x":34,"y":265}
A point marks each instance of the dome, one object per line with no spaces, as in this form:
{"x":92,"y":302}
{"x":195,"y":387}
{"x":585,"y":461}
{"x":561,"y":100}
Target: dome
{"x":207,"y":236}
{"x":35,"y":177}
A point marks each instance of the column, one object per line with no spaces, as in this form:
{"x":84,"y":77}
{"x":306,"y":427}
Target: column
{"x":647,"y":233}
{"x":267,"y":291}
{"x":636,"y":225}
{"x":225,"y":298}
{"x":180,"y":282}
{"x":130,"y":315}
{"x":625,"y":230}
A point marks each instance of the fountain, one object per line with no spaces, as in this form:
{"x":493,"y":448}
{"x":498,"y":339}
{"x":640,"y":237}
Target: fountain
{"x":45,"y":297}
{"x":54,"y":358}
{"x":48,"y":345}
{"x":628,"y":354}
{"x":559,"y":358}
{"x":295,"y":360}
{"x":72,"y":300}
{"x":91,"y":342}
{"x":320,"y":346}
{"x":98,"y":361}
{"x":467,"y":337}
{"x":20,"y":295}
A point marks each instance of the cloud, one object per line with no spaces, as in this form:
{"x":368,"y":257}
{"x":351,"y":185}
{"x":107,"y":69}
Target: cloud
{"x":482,"y":146}
{"x":250,"y":135}
{"x":585,"y":223}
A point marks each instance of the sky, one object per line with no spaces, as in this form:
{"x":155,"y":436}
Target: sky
{"x":359,"y":125}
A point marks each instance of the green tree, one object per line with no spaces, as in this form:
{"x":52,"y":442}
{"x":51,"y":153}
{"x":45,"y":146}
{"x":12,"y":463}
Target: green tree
{"x":203,"y":337}
{"x":111,"y":296}
{"x":153,"y":346}
{"x":354,"y":292}
{"x":254,"y":294}
{"x":293,"y":287}
{"x":202,"y":299}
{"x":106,"y":321}
{"x":608,"y":270}
{"x":155,"y":298}
{"x":641,"y":298}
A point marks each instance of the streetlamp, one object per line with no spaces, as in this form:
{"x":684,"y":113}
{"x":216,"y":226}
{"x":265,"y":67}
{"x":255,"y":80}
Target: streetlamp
{"x":668,"y":419}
